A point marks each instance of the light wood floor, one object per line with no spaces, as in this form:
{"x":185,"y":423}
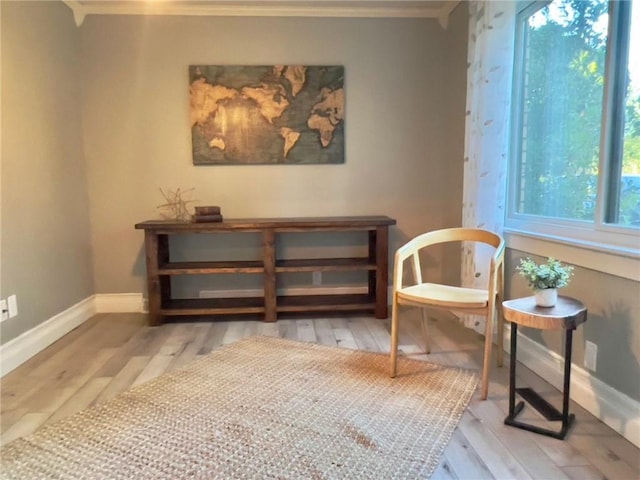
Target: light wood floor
{"x":111,"y":352}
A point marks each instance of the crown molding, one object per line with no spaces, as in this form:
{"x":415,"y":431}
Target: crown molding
{"x":439,"y":10}
{"x":77,"y":9}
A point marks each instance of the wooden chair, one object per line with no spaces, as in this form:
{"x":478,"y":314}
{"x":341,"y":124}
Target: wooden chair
{"x":451,"y":298}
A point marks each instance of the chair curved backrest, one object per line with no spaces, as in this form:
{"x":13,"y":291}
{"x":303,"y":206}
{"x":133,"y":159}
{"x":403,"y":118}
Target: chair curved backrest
{"x":412,"y":249}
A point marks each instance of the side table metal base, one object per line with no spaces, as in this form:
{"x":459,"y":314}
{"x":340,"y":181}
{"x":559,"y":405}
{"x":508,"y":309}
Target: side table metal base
{"x":547,"y":410}
{"x":511,"y":421}
{"x":535,"y":400}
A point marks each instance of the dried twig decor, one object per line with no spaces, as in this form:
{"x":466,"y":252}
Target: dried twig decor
{"x":175,"y":207}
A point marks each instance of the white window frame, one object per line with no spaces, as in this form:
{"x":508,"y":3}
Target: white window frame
{"x":599,"y":245}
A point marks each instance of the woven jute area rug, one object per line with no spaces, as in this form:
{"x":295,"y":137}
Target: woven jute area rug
{"x":260,"y":408}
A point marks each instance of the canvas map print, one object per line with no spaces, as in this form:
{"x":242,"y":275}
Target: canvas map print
{"x":283,"y":114}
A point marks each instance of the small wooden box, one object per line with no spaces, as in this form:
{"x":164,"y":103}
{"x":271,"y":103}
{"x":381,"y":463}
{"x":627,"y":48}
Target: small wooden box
{"x":207,"y":210}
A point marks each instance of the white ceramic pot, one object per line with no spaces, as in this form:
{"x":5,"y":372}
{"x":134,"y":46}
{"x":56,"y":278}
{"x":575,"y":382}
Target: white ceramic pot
{"x":547,"y":297}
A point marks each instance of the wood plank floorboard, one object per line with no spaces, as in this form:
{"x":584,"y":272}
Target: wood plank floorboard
{"x":444,"y":472}
{"x":464,"y":460}
{"x":112,"y":352}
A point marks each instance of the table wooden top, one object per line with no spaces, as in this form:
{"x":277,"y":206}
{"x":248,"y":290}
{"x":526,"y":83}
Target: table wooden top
{"x":366,"y":222}
{"x":568,"y":313}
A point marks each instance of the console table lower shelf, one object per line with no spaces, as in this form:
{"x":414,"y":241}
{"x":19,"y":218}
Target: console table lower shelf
{"x":255,"y":305}
{"x":161,"y":268}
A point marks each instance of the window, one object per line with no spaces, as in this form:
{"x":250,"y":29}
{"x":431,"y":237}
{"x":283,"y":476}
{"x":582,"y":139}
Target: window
{"x":575,"y":151}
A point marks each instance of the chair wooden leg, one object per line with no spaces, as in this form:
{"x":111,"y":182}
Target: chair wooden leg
{"x":486,"y":363}
{"x":500,"y":323}
{"x":500,"y":315}
{"x":425,"y":330}
{"x":394,"y":337}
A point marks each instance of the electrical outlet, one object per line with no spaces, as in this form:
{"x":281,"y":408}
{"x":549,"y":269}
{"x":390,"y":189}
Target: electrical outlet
{"x":13,"y":306}
{"x":4,"y":310}
{"x":590,"y":355}
{"x":316,"y":278}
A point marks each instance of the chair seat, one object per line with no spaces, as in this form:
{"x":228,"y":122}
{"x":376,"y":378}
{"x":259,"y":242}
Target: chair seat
{"x":444,"y":296}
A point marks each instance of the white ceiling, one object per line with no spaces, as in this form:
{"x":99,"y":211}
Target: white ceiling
{"x":439,"y":10}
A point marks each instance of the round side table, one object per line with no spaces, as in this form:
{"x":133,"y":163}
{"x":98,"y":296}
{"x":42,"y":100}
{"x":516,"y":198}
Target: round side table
{"x":566,"y":315}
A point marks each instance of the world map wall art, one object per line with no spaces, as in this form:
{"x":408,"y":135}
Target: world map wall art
{"x":282,"y":114}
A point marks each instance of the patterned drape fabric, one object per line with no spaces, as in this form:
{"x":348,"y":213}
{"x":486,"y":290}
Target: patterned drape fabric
{"x":489,"y":81}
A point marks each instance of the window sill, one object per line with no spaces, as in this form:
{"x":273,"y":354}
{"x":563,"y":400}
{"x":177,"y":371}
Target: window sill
{"x":621,"y":262}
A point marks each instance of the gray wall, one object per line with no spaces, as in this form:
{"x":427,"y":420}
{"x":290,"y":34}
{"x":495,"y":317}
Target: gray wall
{"x":613,"y":306}
{"x":405,"y":90}
{"x":72,"y":190}
{"x":46,"y":245}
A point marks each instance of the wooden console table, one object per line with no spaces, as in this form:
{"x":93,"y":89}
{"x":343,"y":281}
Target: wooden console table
{"x":160,"y":268}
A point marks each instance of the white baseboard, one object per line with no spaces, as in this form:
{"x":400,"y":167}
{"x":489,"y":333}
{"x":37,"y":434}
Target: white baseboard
{"x":614,"y":408}
{"x":17,"y":351}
